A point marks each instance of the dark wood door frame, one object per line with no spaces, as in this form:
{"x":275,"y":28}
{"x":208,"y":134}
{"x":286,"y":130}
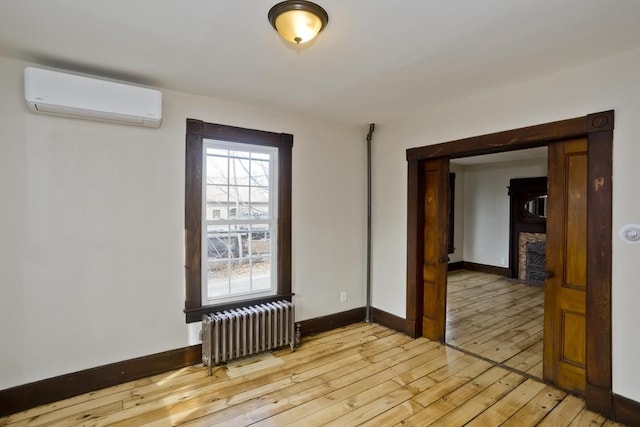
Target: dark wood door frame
{"x":598,"y":129}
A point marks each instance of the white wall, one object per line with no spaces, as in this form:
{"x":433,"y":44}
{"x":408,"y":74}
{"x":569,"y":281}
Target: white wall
{"x":91,"y":229}
{"x":611,"y":83}
{"x":486,"y":208}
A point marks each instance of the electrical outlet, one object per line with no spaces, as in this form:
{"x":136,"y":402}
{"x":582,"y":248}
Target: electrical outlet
{"x":343,"y":296}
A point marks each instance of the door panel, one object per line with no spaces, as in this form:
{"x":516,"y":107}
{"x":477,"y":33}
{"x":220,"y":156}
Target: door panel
{"x":565,"y":289}
{"x":435,"y":262}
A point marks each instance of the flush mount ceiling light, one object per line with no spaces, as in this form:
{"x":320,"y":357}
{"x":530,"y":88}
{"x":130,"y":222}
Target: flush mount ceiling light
{"x":298,"y":21}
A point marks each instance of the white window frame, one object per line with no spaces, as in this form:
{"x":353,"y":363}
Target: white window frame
{"x":272,"y":220}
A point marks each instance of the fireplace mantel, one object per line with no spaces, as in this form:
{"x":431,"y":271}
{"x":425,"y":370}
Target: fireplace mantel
{"x":528,"y":223}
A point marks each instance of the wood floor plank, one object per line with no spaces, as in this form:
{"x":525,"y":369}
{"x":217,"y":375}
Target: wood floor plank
{"x":384,"y":361}
{"x":505,"y":407}
{"x":331,"y":412}
{"x":371,"y":377}
{"x":448,"y":385}
{"x":536,"y":409}
{"x":200,"y":404}
{"x":496,"y":318}
{"x":394,"y":415}
{"x":527,"y":358}
{"x":563,"y":414}
{"x":310,"y":384}
{"x":456,"y":398}
{"x":363,"y":374}
{"x":587,"y":418}
{"x":536,"y":370}
{"x":481,"y":401}
{"x":375,"y":408}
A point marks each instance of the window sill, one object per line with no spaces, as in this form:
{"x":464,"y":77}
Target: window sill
{"x":195,"y":314}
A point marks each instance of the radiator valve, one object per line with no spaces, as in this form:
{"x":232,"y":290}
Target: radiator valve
{"x":298,"y":335}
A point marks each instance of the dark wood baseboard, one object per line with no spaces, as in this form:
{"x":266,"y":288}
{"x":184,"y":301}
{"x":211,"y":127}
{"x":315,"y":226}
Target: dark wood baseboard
{"x":453,"y":266}
{"x":389,"y":320}
{"x":491,"y":269}
{"x":599,"y":400}
{"x":626,"y":411}
{"x":332,"y":321}
{"x":49,"y":390}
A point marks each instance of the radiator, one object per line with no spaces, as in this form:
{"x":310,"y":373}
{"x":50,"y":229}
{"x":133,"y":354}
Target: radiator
{"x":247,"y":330}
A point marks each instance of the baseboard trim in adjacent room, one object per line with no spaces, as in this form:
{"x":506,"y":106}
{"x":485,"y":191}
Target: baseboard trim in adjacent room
{"x":453,"y":266}
{"x":484,"y":268}
{"x":332,"y":321}
{"x":26,"y":396}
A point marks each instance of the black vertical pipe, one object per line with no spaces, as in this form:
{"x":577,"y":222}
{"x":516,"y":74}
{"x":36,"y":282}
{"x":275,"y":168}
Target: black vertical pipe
{"x":372,"y":127}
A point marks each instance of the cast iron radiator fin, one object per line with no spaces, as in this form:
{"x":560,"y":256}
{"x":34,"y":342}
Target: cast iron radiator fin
{"x":247,"y":330}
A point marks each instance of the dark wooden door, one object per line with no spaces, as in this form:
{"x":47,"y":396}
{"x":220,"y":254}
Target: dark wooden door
{"x":436,"y":182}
{"x":566,"y":287}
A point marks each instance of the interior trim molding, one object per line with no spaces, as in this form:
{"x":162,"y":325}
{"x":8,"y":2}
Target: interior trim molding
{"x":484,"y":268}
{"x":50,"y":390}
{"x":389,"y":320}
{"x":27,"y":396}
{"x":331,"y":321}
{"x":30,"y":395}
{"x":598,"y":129}
{"x":453,"y":266}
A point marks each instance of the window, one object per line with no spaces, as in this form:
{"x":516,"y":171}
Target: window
{"x":237,"y":217}
{"x":241,"y":240}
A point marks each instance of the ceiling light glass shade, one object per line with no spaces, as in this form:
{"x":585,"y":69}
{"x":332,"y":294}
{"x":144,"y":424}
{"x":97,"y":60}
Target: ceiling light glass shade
{"x":298,"y":21}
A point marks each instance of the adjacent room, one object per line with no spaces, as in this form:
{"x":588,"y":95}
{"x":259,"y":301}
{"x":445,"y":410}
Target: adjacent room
{"x":338,"y":212}
{"x":495,"y":300}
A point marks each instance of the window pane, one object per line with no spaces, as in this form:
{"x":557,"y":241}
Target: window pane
{"x":259,"y":202}
{"x":217,"y":151}
{"x":218,"y":278}
{"x":239,"y":259}
{"x":219,"y":243}
{"x":217,"y":205}
{"x":239,"y":154}
{"x":238,"y":202}
{"x":240,"y":276}
{"x":239,"y":172}
{"x":260,"y":240}
{"x":217,"y":170}
{"x":260,"y":173}
{"x":237,"y":192}
{"x":261,"y":269}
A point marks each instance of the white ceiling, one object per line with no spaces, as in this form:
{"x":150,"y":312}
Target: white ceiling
{"x":375,"y":61}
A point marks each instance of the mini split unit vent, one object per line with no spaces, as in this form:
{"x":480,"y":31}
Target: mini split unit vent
{"x":71,"y":95}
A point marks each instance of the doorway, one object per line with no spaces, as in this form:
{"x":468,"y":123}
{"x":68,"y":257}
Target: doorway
{"x":427,"y":242}
{"x":490,"y":311}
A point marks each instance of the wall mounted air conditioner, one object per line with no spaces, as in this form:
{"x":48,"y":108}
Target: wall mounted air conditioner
{"x":71,"y":95}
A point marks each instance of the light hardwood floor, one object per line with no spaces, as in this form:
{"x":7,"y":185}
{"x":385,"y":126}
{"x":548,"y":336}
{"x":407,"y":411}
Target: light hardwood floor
{"x":497,"y":319}
{"x":362,"y":374}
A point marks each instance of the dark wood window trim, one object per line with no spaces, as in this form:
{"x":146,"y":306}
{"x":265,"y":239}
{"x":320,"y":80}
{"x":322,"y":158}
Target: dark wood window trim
{"x":598,"y":129}
{"x":197,"y":131}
